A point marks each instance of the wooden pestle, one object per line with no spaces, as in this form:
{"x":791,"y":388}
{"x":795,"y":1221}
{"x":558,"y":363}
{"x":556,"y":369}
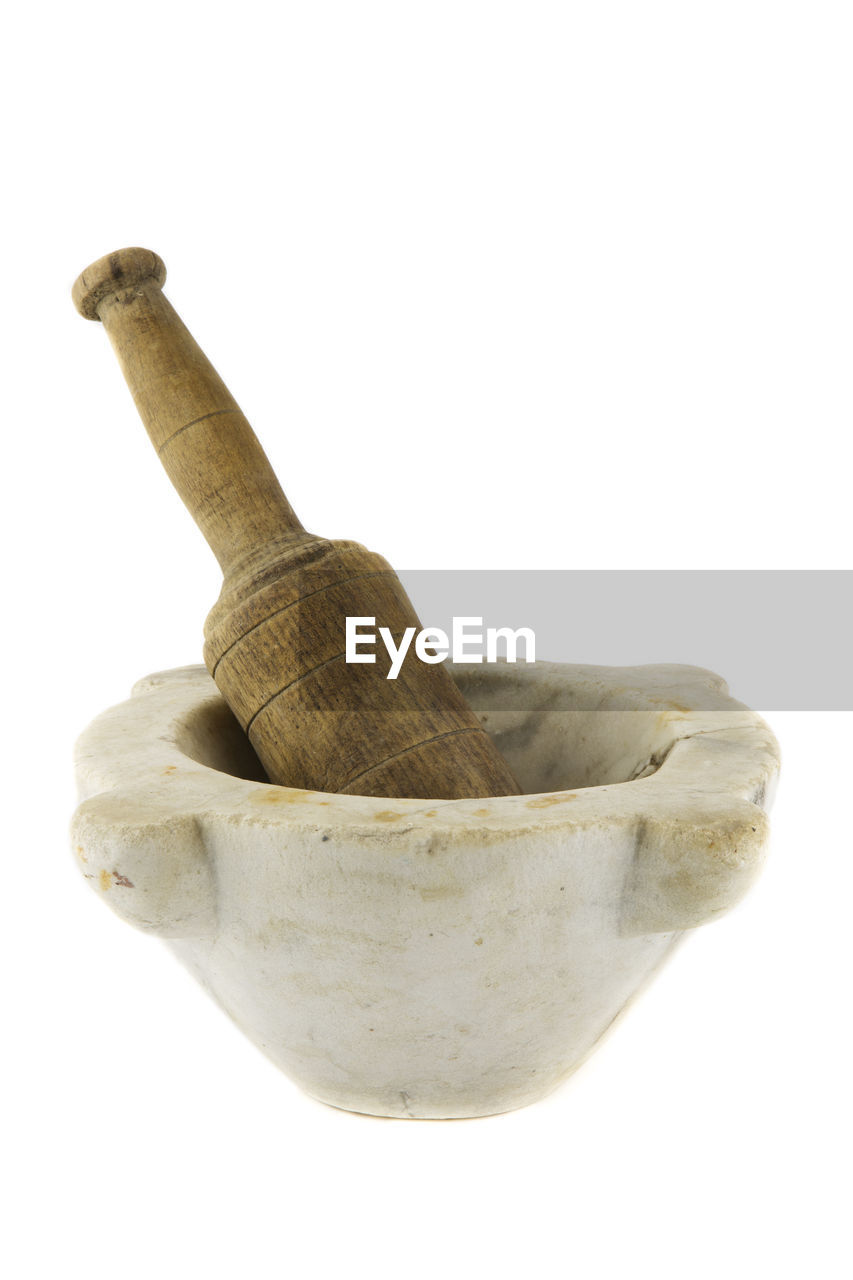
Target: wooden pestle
{"x":275,"y":639}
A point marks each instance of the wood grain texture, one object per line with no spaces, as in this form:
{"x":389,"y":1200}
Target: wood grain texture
{"x":275,"y":639}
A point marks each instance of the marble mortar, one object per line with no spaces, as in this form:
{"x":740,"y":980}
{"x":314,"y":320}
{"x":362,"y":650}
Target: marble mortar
{"x":425,"y":958}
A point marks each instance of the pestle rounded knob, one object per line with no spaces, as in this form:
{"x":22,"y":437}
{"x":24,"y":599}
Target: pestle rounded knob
{"x":125,"y":269}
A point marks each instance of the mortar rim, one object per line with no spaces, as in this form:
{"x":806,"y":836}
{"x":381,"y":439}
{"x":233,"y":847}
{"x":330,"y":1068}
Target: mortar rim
{"x":120,"y":756}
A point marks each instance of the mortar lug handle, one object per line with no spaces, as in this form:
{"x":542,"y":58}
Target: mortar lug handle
{"x":152,"y":869}
{"x":689,"y":868}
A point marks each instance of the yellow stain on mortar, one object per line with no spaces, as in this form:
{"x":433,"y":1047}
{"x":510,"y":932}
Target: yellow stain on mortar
{"x":545,"y":802}
{"x":278,"y":795}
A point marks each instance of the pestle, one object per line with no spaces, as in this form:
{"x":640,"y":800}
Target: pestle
{"x":275,"y":639}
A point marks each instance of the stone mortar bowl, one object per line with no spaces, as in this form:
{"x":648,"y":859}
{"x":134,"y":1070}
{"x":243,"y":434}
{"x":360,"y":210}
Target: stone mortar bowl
{"x":428,"y":958}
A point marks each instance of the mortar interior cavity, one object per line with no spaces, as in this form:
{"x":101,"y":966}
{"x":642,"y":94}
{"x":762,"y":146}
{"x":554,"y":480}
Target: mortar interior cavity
{"x":553,"y":747}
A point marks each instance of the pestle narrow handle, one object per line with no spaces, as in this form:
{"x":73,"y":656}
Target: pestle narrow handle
{"x":206,"y":445}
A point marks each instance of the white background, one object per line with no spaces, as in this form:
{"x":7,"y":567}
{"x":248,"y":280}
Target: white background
{"x":534,"y":285}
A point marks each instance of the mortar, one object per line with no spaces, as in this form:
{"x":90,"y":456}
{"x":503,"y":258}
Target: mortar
{"x":433,"y":958}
